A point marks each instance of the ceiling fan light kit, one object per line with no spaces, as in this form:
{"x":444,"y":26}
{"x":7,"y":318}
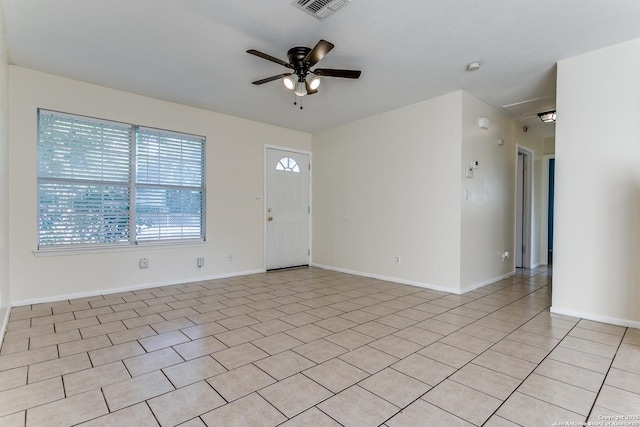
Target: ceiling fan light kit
{"x":301,"y":59}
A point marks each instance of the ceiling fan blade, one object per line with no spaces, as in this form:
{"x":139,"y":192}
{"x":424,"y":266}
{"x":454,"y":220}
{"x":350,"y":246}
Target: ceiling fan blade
{"x":269,"y":58}
{"x":330,"y":72}
{"x":318,"y":52}
{"x":309,"y":90}
{"x":270,"y":79}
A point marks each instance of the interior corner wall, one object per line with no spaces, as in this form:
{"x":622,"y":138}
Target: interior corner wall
{"x":487,"y":198}
{"x":234,"y":177}
{"x":597,"y":198}
{"x":4,"y":181}
{"x":389,"y":186}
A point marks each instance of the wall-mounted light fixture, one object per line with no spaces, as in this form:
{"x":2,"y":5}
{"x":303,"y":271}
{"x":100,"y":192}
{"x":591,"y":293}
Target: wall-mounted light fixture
{"x":483,"y":123}
{"x":548,"y":116}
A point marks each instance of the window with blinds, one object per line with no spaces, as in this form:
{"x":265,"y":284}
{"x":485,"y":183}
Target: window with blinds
{"x":110,"y":183}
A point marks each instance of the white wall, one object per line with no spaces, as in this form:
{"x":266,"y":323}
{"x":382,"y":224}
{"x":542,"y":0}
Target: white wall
{"x":235,"y":150}
{"x":387,"y":186}
{"x":392,"y":185}
{"x":597,"y":203}
{"x":487,"y":199}
{"x":4,"y":181}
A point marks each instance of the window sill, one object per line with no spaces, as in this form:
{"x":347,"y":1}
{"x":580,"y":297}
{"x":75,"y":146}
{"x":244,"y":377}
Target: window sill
{"x":88,"y":250}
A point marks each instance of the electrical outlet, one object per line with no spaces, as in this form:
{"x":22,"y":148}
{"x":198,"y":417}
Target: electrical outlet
{"x":200,"y":262}
{"x":230,"y":257}
{"x":144,"y":263}
{"x":398,"y":260}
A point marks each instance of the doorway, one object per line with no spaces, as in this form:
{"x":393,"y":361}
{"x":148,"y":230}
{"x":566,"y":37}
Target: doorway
{"x":524,"y":180}
{"x":288,"y":209}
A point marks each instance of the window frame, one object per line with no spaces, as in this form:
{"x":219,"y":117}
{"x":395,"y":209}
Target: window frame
{"x":133,"y":185}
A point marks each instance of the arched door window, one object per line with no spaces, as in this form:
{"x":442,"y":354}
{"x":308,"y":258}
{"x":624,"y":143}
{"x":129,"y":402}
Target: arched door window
{"x":287,"y":164}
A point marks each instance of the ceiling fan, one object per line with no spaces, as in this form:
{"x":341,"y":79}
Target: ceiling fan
{"x":301,"y":59}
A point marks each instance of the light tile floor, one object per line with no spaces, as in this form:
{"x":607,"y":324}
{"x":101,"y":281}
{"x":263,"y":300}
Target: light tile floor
{"x":311,"y":347}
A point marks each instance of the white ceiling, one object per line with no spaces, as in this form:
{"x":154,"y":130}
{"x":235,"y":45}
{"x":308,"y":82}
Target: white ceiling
{"x":193,"y":51}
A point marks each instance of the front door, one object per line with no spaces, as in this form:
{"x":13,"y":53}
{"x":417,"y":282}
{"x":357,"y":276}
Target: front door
{"x":288,"y":209}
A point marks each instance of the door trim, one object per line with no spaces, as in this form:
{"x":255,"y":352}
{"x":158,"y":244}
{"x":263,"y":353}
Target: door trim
{"x":264,"y":198}
{"x":527,"y":225}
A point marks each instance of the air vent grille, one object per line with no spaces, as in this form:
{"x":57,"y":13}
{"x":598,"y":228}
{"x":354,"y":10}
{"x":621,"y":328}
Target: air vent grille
{"x":320,"y":9}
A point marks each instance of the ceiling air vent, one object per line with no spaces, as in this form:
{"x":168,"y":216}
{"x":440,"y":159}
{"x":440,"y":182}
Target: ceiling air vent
{"x":320,"y":9}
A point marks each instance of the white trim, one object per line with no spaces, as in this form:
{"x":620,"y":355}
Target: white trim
{"x":597,"y":317}
{"x":132,"y":288}
{"x":264,"y":197}
{"x":485,"y":283}
{"x":387,"y":278}
{"x":5,"y":322}
{"x":545,"y":207}
{"x":528,"y":153}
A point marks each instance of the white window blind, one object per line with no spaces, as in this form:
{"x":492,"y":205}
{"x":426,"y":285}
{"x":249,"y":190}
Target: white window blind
{"x":107,"y":183}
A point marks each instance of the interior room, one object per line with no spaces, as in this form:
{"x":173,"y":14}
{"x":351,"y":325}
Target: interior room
{"x":319,"y":213}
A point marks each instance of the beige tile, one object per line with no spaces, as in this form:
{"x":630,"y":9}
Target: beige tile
{"x":240,"y":382}
{"x":13,"y":378}
{"x":24,"y":358}
{"x":497,"y":421}
{"x":335,"y":375}
{"x":238,"y":336}
{"x":599,"y":337}
{"x":183,"y":404}
{"x":466,"y":342}
{"x":395,"y":387}
{"x":46,"y":320}
{"x":535,"y":340}
{"x":418,"y":335}
{"x":135,"y":390}
{"x":193,"y":371}
{"x":237,"y":321}
{"x":251,"y":410}
{"x":57,"y":367}
{"x":284,"y":364}
{"x":153,"y":361}
{"x":465,"y":402}
{"x":375,"y":329}
{"x":271,"y":327}
{"x":336,"y":324}
{"x":117,"y":352}
{"x":601,"y":327}
{"x":277,"y":343}
{"x":395,"y":346}
{"x":357,"y":407}
{"x":520,"y":350}
{"x":103,"y":329}
{"x":486,"y":380}
{"x":618,"y":400}
{"x":14,"y":420}
{"x":237,"y":356}
{"x":81,"y":314}
{"x":200,"y":347}
{"x":308,"y":333}
{"x":94,"y":378}
{"x":369,"y":359}
{"x":294,"y":394}
{"x":421,"y":413}
{"x":560,"y":394}
{"x":627,"y":358}
{"x":53,"y":339}
{"x":320,"y":350}
{"x":591,"y":347}
{"x":349,"y":339}
{"x":15,"y":345}
{"x":423,"y":369}
{"x":114,"y":317}
{"x":447,"y":354}
{"x":164,"y":340}
{"x":530,"y":412}
{"x":599,"y":414}
{"x":311,"y":417}
{"x":69,"y":411}
{"x":131,"y":334}
{"x":580,"y":359}
{"x":204,"y":330}
{"x":621,"y":379}
{"x":84,"y":345}
{"x":195,"y":422}
{"x":137,"y":415}
{"x":28,"y":396}
{"x":574,"y":375}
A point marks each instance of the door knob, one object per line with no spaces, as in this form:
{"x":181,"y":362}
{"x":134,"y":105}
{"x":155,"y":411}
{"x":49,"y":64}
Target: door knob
{"x":270,"y":218}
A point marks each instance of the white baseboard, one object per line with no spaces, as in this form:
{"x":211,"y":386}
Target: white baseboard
{"x":131,"y":288}
{"x":597,"y":317}
{"x":387,"y":278}
{"x":475,"y":286}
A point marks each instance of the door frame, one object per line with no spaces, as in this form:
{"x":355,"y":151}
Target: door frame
{"x":527,"y":211}
{"x":545,"y":206}
{"x":265,"y":201}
